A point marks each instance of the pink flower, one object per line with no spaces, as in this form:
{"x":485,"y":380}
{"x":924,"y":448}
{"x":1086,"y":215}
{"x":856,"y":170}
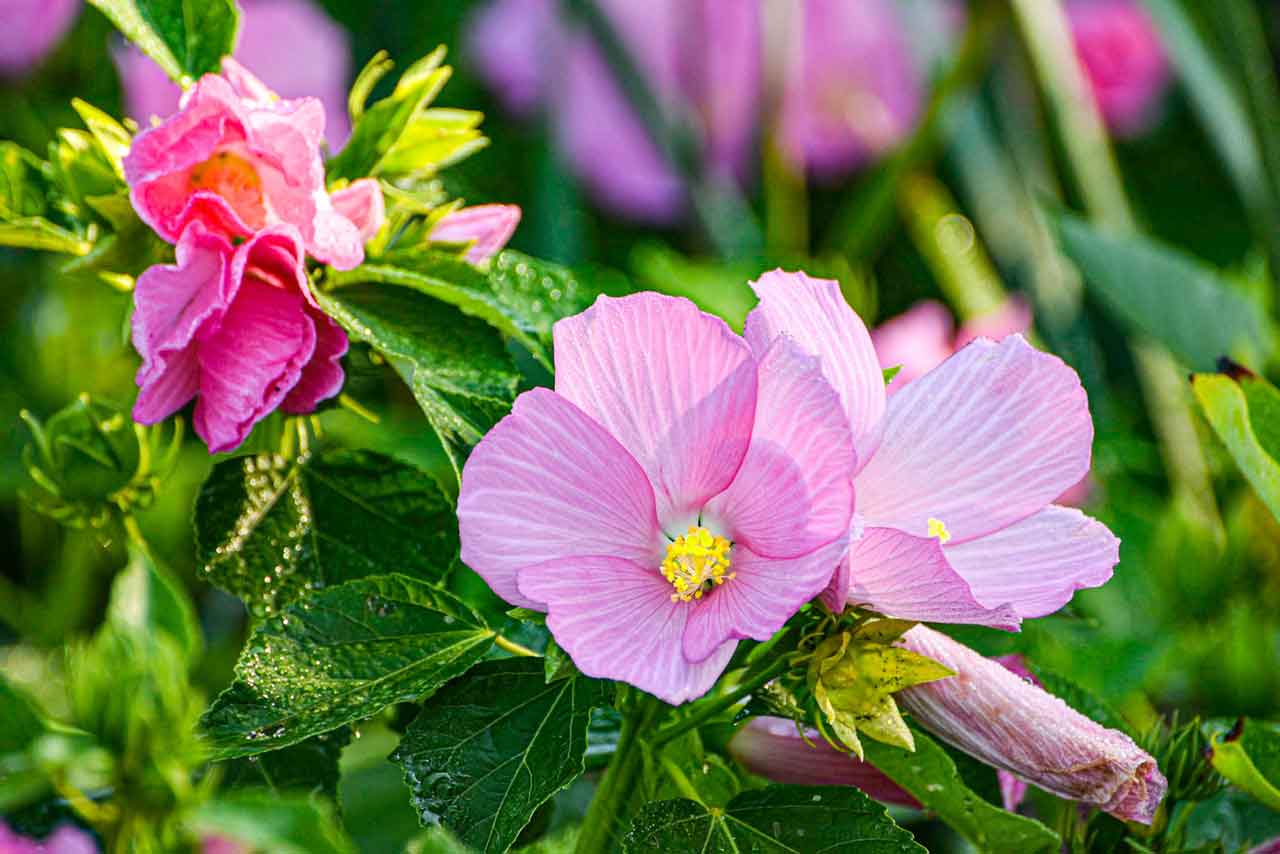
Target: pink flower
{"x":65,"y":840}
{"x":235,"y":328}
{"x":236,"y":159}
{"x":957,"y":470}
{"x":996,"y":716}
{"x":222,"y":845}
{"x":1120,"y":51}
{"x":921,"y":338}
{"x":31,"y":29}
{"x":852,"y":90}
{"x":680,"y":489}
{"x":486,"y":227}
{"x":148,"y":91}
{"x":772,"y":748}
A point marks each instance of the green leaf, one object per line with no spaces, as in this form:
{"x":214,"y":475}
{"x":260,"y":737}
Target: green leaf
{"x":519,"y":296}
{"x":339,"y":656}
{"x":1244,"y":410}
{"x":22,"y":721}
{"x":458,"y":369}
{"x":434,"y":140}
{"x":266,"y":821}
{"x":1249,"y":756}
{"x":268,"y":530}
{"x":309,"y":767}
{"x":1161,"y":292}
{"x":39,"y":233}
{"x":781,"y":819}
{"x":556,"y":662}
{"x":145,"y":598}
{"x":185,"y":37}
{"x":931,"y":777}
{"x":111,"y":136}
{"x":491,"y":748}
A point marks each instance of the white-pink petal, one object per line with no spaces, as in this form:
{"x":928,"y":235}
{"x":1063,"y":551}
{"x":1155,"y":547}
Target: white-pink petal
{"x":549,"y":483}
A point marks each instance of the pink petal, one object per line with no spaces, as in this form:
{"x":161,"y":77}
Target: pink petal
{"x":1038,"y":563}
{"x":546,"y":484}
{"x":674,"y":385}
{"x":763,"y":595}
{"x":616,"y":620}
{"x":772,"y":748}
{"x":794,"y":491}
{"x":250,"y":363}
{"x":321,"y":377}
{"x":362,"y":203}
{"x":814,"y":313}
{"x":909,"y":577}
{"x":916,"y":342}
{"x":989,"y":437}
{"x":486,"y":227}
{"x":171,"y":304}
{"x":69,"y":840}
{"x":997,"y":717}
{"x":1013,"y":790}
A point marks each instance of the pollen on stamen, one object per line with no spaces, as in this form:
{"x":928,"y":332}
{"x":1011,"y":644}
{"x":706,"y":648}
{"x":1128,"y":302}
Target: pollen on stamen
{"x":696,"y":562}
{"x":939,"y":529}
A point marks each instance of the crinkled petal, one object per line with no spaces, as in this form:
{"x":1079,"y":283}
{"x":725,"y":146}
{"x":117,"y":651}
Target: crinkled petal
{"x":997,"y":717}
{"x":486,"y":227}
{"x":616,"y":620}
{"x":1037,"y":564}
{"x":361,"y":202}
{"x":908,"y":577}
{"x":794,"y":491}
{"x":674,"y":385}
{"x":250,"y":363}
{"x":988,"y":437}
{"x":815,"y":314}
{"x":763,"y":594}
{"x":322,"y":377}
{"x":546,"y":484}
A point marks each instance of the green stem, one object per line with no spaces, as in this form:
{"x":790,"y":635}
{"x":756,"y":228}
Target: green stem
{"x":713,"y":706}
{"x":514,"y":648}
{"x":609,"y":809}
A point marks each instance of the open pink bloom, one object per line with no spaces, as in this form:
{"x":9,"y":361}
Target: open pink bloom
{"x":996,"y":716}
{"x":148,"y":91}
{"x":237,"y":159}
{"x":957,"y":470}
{"x":486,"y":227}
{"x":64,"y":840}
{"x":235,"y":328}
{"x":852,"y":89}
{"x":1120,"y":51}
{"x":772,"y":748}
{"x":678,"y":491}
{"x":32,"y":28}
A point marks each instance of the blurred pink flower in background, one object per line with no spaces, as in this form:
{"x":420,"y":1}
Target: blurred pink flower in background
{"x":64,"y":840}
{"x":31,"y":29}
{"x":1120,"y":51}
{"x":222,"y":845}
{"x":304,"y":30}
{"x":852,"y":89}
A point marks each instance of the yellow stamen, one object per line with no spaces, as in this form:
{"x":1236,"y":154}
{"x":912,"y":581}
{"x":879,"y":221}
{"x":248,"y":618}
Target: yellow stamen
{"x":695,"y":563}
{"x":938,"y":529}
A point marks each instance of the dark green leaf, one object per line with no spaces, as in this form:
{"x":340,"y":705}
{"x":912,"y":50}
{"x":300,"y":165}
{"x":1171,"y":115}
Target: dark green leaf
{"x":145,"y":598}
{"x":268,"y":530}
{"x":339,"y":656}
{"x":1244,"y":410}
{"x":20,"y":722}
{"x":309,"y":767}
{"x":185,"y":37}
{"x":1160,"y":292}
{"x":266,"y":821}
{"x":488,"y":750}
{"x":773,"y":820}
{"x":556,"y":662}
{"x":932,"y":779}
{"x":458,"y":369}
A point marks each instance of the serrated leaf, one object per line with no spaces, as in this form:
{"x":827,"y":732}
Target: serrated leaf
{"x":146,"y":598}
{"x":772,"y":820}
{"x":1249,"y":756}
{"x":340,"y":655}
{"x":266,"y":821}
{"x":268,"y":530}
{"x":185,"y":37}
{"x":309,"y":767}
{"x":931,"y":777}
{"x":1245,"y":413}
{"x":458,"y":369}
{"x":1167,"y":295}
{"x":489,"y":749}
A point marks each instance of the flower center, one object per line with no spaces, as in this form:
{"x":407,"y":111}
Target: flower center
{"x":938,"y":528}
{"x":236,"y":180}
{"x":695,"y":563}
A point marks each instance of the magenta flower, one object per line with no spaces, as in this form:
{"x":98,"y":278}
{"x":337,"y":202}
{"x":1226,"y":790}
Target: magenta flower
{"x":678,"y":491}
{"x":1123,"y":58}
{"x":148,"y":91}
{"x":235,"y":328}
{"x":64,"y":840}
{"x":852,"y":90}
{"x":32,"y":29}
{"x":236,"y":159}
{"x":995,"y":715}
{"x":956,"y":471}
{"x":486,"y":227}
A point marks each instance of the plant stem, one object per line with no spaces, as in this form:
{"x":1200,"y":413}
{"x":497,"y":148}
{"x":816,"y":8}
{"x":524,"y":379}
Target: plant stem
{"x":609,"y":808}
{"x":709,"y":708}
{"x":514,"y":648}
